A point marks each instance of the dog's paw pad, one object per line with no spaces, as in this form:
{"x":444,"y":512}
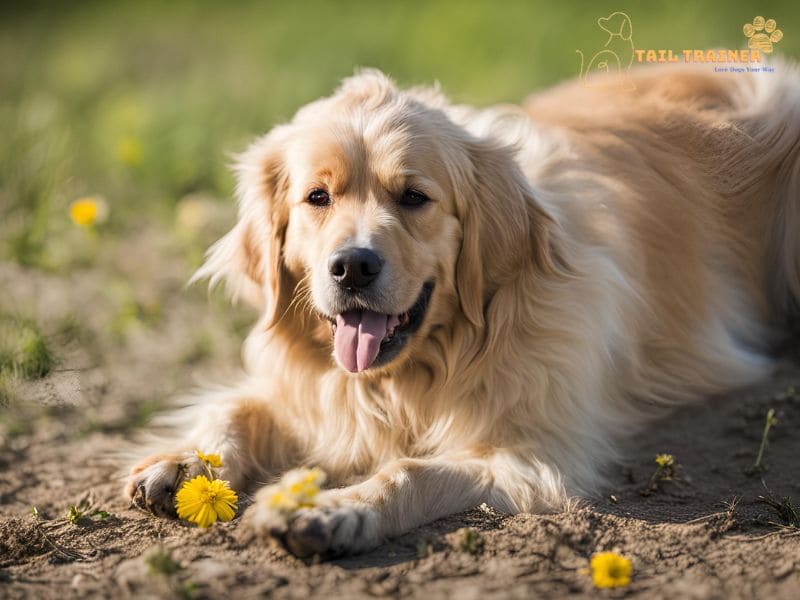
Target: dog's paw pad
{"x":762,"y":34}
{"x":310,"y":533}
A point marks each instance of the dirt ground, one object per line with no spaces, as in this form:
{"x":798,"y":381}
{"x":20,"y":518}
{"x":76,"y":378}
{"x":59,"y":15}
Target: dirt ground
{"x":711,"y":535}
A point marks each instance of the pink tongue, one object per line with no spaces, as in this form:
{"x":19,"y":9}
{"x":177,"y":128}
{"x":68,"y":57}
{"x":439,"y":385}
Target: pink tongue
{"x":358,"y":338}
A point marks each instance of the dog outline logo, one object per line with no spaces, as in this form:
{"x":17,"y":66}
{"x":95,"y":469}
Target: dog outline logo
{"x":617,"y":53}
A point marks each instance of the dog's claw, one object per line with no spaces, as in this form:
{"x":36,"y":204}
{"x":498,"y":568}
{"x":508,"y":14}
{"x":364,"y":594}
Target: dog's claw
{"x":139,"y":499}
{"x":153,"y":488}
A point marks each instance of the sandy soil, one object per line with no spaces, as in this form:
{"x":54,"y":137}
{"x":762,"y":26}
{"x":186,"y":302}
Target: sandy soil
{"x":709,"y":536}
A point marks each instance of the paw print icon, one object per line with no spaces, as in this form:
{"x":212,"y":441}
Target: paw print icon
{"x":762,"y":34}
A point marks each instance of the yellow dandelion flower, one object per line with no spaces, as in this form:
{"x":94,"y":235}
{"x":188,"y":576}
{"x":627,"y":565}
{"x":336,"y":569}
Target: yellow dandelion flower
{"x":212,"y":460}
{"x":204,"y":502}
{"x":304,"y":484}
{"x":282,"y":502}
{"x":610,"y":570}
{"x":665,"y":460}
{"x":297,"y":489}
{"x":88,"y":211}
{"x":129,"y":151}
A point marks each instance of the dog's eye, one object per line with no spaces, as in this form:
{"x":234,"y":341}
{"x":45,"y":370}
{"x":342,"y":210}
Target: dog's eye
{"x":413,"y":198}
{"x":319,"y":198}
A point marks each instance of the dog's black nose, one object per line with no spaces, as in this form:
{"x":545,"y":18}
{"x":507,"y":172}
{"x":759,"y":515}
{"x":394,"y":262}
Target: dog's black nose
{"x":354,"y":267}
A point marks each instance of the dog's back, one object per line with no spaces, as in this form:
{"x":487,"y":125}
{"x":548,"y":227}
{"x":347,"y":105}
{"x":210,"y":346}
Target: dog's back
{"x":691,"y":184}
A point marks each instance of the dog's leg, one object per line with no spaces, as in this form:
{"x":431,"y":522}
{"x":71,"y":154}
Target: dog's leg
{"x":401,"y":496}
{"x":238,"y":427}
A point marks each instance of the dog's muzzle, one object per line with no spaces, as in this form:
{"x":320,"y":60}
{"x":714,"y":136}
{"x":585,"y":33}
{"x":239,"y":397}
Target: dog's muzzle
{"x":364,"y":339}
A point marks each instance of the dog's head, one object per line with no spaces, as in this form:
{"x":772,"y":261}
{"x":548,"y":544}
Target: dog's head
{"x":616,"y":24}
{"x":371,"y":219}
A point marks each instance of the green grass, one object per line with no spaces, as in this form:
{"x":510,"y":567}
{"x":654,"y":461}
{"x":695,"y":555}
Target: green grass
{"x":25,"y":354}
{"x":160,"y":561}
{"x":24,"y":351}
{"x":84,"y":512}
{"x":143,"y":102}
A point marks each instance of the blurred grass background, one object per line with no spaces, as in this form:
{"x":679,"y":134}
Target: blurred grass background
{"x":141,"y":103}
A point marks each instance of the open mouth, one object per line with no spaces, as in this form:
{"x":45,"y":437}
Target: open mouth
{"x":363,"y":339}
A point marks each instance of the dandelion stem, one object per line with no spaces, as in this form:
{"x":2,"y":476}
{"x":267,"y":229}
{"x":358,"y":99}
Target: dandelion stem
{"x":771,"y":420}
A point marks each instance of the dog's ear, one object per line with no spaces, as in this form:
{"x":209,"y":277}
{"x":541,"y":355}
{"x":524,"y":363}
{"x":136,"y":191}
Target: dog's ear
{"x":626,"y":29}
{"x":504,"y":229}
{"x":249,"y":257}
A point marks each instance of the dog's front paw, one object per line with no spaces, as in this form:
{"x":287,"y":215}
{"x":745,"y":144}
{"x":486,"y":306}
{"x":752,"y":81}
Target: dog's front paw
{"x":153,"y":483}
{"x":331,"y":528}
{"x":332,"y":531}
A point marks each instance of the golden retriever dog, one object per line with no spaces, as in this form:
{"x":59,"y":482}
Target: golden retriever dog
{"x":462,"y":306}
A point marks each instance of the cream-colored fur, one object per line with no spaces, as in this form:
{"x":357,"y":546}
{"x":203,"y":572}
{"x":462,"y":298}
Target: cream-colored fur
{"x":598,"y":255}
